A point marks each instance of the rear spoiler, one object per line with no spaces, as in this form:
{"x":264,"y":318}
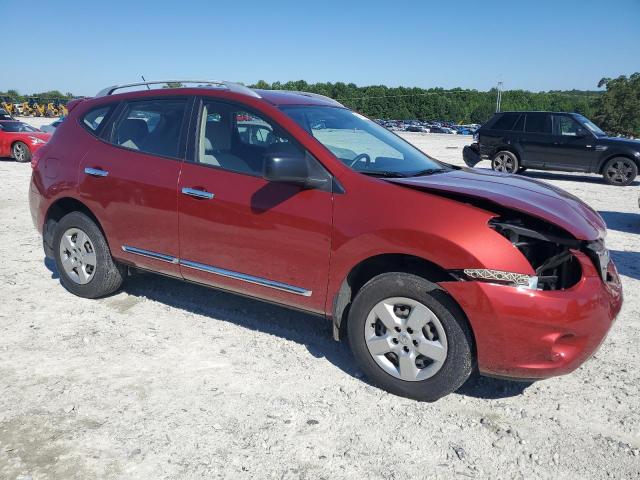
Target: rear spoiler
{"x":73,"y":103}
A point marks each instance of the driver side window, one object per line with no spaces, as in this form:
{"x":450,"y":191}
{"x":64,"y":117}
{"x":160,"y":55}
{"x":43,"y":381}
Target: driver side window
{"x":565,"y":126}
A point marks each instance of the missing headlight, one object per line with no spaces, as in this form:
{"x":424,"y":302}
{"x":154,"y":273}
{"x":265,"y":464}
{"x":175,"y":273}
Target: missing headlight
{"x":547,"y":249}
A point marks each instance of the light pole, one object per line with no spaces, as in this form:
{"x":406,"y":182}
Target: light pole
{"x":499,"y":97}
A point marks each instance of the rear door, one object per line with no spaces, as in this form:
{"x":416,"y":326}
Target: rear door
{"x":129,"y":181}
{"x":240,"y":232}
{"x":573,"y":146}
{"x":537,"y":140}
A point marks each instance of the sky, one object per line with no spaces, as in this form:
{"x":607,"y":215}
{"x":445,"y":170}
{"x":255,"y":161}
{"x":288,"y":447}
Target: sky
{"x":83,"y":46}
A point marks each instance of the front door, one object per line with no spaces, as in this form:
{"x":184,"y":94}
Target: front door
{"x":129,"y":181}
{"x":573,"y":146}
{"x":242,"y":233}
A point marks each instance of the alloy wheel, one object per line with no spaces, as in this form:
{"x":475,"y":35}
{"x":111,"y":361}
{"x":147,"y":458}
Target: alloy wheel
{"x":19,"y":152}
{"x":504,"y":162}
{"x":406,"y":339}
{"x":78,"y":256}
{"x":619,"y":172}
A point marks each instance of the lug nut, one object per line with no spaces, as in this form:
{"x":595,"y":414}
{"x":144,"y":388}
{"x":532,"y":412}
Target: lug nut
{"x":410,"y":330}
{"x":395,"y":340}
{"x":406,"y":349}
{"x":415,"y":343}
{"x":397,"y":329}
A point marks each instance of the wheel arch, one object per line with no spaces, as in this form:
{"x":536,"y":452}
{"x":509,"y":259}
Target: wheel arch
{"x":375,"y":265}
{"x":604,"y":161}
{"x":54,"y":214}
{"x":17,"y":140}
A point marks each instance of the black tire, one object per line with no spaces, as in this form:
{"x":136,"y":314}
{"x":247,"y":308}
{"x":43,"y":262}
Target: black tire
{"x":505,"y":161}
{"x":20,"y":152}
{"x":619,"y":171}
{"x":108,"y":275}
{"x":459,"y":361}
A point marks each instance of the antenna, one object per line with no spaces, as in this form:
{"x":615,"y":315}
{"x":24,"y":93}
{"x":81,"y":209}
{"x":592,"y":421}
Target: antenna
{"x":144,"y":80}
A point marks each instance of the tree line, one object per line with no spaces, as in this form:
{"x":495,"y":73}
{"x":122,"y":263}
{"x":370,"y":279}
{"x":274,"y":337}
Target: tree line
{"x":616,"y":109}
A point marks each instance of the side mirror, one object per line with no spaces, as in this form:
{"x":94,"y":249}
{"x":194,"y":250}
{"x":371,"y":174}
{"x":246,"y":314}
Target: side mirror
{"x":286,"y":168}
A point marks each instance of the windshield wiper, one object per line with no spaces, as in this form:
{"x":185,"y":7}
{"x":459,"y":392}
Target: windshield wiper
{"x":382,"y":173}
{"x":428,"y":171}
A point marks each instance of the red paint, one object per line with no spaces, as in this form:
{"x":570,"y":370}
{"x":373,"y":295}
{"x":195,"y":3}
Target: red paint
{"x":8,"y":139}
{"x":313,"y":239}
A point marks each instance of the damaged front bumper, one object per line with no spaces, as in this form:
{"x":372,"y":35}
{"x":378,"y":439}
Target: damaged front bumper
{"x":523,"y":333}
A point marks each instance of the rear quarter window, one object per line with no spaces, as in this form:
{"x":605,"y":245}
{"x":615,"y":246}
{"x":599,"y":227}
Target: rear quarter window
{"x":93,"y":119}
{"x":506,"y":121}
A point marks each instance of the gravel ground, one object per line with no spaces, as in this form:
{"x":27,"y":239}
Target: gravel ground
{"x":172,"y":380}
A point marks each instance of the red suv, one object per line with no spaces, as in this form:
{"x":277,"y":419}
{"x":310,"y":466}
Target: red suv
{"x":431,"y":270}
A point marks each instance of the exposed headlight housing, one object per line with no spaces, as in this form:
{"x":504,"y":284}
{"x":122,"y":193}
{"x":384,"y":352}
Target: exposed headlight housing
{"x":499,"y":276}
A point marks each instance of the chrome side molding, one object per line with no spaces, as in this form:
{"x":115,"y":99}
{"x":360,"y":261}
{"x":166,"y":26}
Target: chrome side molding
{"x":263,"y":282}
{"x":150,"y":254}
{"x":247,"y":278}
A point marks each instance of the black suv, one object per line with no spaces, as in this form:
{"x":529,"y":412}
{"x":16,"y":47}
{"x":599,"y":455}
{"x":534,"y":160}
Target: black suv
{"x":515,"y":141}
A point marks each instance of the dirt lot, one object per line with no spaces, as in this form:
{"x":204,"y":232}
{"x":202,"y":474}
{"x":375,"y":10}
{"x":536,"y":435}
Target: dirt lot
{"x":172,"y":380}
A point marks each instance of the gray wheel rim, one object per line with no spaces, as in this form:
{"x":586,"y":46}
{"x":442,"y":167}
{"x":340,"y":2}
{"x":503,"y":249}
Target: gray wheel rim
{"x":503,"y":162}
{"x":406,"y":339}
{"x":19,"y":152}
{"x":619,"y":171}
{"x":78,"y":256}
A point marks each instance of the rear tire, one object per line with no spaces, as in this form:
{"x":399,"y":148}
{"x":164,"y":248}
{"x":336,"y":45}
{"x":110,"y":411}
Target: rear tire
{"x":20,"y":152}
{"x":426,"y":362}
{"x":505,"y":162}
{"x":619,"y":171}
{"x":83,"y":258}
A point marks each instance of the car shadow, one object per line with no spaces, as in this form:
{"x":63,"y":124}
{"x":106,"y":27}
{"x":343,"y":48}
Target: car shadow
{"x":577,"y":177}
{"x":489,"y":388}
{"x":312,"y":331}
{"x":627,"y":263}
{"x":622,"y":221}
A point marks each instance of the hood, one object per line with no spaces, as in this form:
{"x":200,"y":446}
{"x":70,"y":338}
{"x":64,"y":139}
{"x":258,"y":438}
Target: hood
{"x":620,"y":140}
{"x":533,"y":197}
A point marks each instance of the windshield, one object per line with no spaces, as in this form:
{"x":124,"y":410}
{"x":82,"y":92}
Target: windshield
{"x":362,"y":144}
{"x":17,"y":127}
{"x":591,"y":126}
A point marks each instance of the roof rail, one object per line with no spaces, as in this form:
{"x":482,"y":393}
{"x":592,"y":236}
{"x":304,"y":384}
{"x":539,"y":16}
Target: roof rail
{"x":316,"y":95}
{"x":231,"y":86}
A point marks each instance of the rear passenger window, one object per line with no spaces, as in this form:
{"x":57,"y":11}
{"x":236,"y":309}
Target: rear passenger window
{"x":93,"y":119}
{"x":538,"y":123}
{"x":506,"y":121}
{"x":151,"y":126}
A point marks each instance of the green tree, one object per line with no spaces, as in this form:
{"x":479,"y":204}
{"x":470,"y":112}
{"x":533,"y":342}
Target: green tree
{"x":618,"y":109}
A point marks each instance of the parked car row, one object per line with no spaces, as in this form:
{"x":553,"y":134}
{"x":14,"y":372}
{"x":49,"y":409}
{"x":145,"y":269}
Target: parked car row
{"x":428,"y":127}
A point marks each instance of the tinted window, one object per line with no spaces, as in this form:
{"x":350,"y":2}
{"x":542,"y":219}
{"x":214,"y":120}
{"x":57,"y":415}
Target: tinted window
{"x":565,"y":126}
{"x":506,"y":121}
{"x":519,"y":126}
{"x":151,"y":126}
{"x":538,"y":123}
{"x":94,"y":118}
{"x":236,"y":140}
{"x":17,"y":127}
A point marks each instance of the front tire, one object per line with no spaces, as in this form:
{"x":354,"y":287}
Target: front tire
{"x":20,"y":152}
{"x":83,"y":258}
{"x":619,"y":171}
{"x":505,"y":162}
{"x":409,"y":337}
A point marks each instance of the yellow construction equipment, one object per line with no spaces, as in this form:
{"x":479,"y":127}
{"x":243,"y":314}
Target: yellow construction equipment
{"x":51,"y":110}
{"x":7,"y":105}
{"x":27,"y":111}
{"x":38,"y":110}
{"x":62,"y":109}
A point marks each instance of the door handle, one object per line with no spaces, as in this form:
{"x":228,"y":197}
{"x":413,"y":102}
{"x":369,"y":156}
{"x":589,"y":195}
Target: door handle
{"x":96,"y":172}
{"x":193,"y":192}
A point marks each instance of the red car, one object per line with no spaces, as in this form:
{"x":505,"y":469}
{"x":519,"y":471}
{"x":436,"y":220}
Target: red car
{"x":432,"y":271}
{"x":19,"y":140}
